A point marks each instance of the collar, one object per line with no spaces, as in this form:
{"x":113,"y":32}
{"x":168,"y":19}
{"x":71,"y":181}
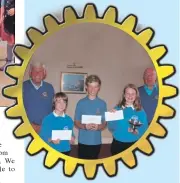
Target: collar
{"x":35,"y":86}
{"x":149,"y":91}
{"x":56,"y":115}
{"x":87,"y":97}
{"x":123,"y":107}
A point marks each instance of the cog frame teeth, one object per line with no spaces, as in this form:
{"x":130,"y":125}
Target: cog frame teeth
{"x":129,"y":24}
{"x":145,"y":147}
{"x":70,"y":166}
{"x":50,"y":23}
{"x":129,"y":159}
{"x":143,"y":38}
{"x":90,"y":13}
{"x":35,"y":35}
{"x":51,"y":159}
{"x":157,"y":130}
{"x":110,"y":168}
{"x":90,"y":169}
{"x":158,"y":52}
{"x":69,"y":15}
{"x":22,"y":130}
{"x":110,"y":15}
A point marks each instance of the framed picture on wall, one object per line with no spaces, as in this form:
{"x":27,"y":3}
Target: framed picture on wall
{"x":73,"y":82}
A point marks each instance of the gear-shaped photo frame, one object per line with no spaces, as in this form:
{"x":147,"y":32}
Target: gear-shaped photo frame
{"x":128,"y":26}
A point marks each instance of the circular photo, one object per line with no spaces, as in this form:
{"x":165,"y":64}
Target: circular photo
{"x":90,"y":91}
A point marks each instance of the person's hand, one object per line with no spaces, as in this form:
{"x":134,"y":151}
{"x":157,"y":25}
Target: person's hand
{"x":11,"y":12}
{"x":55,"y":141}
{"x":36,"y":127}
{"x":72,"y":141}
{"x":113,"y":110}
{"x":95,"y":127}
{"x":89,"y":126}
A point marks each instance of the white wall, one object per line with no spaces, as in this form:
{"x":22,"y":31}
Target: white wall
{"x":103,"y":50}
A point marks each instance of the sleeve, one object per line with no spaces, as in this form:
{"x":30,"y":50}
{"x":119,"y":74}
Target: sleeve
{"x":112,"y":124}
{"x":78,"y":112}
{"x":45,"y":132}
{"x":51,"y":95}
{"x":53,"y":91}
{"x":73,"y":135}
{"x":25,"y":101}
{"x":143,"y":119}
{"x":104,"y":109}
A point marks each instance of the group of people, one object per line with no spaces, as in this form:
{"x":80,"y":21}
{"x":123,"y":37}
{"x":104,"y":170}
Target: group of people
{"x":7,"y":28}
{"x":47,"y":111}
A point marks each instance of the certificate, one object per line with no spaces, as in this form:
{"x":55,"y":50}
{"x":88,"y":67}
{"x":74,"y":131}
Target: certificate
{"x":87,"y":119}
{"x":61,"y":134}
{"x":112,"y":116}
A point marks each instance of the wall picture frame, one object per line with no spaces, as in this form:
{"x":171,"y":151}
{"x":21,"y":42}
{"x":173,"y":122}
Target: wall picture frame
{"x":73,"y":82}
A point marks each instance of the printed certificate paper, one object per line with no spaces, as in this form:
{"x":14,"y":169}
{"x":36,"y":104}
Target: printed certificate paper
{"x":112,"y":116}
{"x":61,"y":134}
{"x":87,"y":119}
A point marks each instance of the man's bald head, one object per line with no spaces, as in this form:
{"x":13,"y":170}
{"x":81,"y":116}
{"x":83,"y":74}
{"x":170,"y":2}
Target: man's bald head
{"x":150,"y":77}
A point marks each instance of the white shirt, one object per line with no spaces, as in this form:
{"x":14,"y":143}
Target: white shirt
{"x":129,"y":106}
{"x":35,"y":86}
{"x":56,"y":115}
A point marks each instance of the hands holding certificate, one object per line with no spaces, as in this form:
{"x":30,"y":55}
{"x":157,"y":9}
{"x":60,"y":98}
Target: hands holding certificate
{"x":57,"y":141}
{"x":92,"y":126}
{"x":91,"y":122}
{"x":59,"y":135}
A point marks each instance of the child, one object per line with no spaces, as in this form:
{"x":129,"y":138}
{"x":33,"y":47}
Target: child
{"x":90,"y":134}
{"x":128,"y":130}
{"x":58,"y":120}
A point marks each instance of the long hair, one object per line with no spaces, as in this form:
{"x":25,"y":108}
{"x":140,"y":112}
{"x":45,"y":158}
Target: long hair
{"x":137,"y":103}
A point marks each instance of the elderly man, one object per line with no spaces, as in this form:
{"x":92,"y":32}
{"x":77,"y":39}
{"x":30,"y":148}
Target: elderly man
{"x":37,"y":95}
{"x":149,"y":93}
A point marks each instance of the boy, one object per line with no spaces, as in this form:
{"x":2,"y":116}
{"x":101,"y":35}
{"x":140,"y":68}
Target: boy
{"x":58,"y":120}
{"x":89,"y":140}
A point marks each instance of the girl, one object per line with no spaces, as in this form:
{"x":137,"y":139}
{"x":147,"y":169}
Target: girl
{"x":128,"y":130}
{"x":58,"y":120}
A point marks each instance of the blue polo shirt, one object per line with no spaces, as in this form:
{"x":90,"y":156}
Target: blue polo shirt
{"x":54,"y":122}
{"x":86,"y":106}
{"x":119,"y":128}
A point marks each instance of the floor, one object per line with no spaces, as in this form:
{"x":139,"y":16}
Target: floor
{"x":104,"y":153}
{"x":4,"y":79}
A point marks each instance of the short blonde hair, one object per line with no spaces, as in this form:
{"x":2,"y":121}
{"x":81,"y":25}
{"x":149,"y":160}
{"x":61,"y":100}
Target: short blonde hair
{"x":92,"y":79}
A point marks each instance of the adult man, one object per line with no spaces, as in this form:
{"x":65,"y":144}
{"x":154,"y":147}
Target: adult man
{"x":149,"y":93}
{"x":89,"y":140}
{"x":37,"y":95}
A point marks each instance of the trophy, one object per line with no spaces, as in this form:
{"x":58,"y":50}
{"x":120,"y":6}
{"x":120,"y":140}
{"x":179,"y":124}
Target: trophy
{"x":134,"y":124}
